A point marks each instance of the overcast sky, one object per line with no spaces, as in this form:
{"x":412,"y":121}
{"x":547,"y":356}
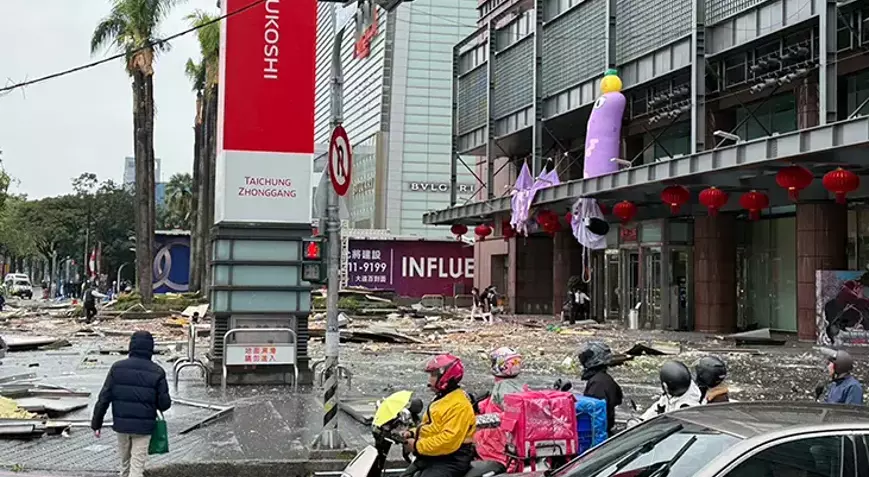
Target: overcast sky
{"x":54,"y":131}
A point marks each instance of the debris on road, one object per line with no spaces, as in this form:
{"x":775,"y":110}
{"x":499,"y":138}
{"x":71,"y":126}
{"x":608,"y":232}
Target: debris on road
{"x":222,"y":411}
{"x":757,"y":337}
{"x":654,"y":349}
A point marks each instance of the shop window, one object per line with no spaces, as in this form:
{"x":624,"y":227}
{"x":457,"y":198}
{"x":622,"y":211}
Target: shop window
{"x":858,"y":238}
{"x":778,"y":115}
{"x":676,"y":140}
{"x":735,"y":70}
{"x":857,"y":92}
{"x":864,"y":25}
{"x":768,"y":274}
{"x":844,"y":36}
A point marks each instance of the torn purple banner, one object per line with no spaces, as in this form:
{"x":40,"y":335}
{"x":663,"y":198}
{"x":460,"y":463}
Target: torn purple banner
{"x":523,"y":195}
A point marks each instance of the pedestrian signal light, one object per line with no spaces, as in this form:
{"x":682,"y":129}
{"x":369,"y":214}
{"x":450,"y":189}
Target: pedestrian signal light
{"x":312,"y":251}
{"x":313,"y":265}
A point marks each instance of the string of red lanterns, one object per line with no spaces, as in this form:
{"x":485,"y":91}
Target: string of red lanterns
{"x":793,"y":178}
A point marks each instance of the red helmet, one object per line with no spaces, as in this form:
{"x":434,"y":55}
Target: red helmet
{"x":448,"y":368}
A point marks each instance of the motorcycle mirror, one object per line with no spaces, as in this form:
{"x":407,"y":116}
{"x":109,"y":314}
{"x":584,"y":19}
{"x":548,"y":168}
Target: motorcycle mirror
{"x":416,"y":406}
{"x":567,"y":386}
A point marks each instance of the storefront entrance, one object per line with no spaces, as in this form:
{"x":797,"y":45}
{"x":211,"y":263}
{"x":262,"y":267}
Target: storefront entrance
{"x":650,"y":270}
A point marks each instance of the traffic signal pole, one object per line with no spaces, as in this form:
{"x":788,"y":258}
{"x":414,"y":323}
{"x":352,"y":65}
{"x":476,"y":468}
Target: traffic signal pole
{"x":329,"y":438}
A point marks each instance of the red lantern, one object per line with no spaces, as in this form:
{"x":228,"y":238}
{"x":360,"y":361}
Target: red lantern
{"x":569,"y":218}
{"x":507,"y":230}
{"x":625,"y":210}
{"x":754,"y":202}
{"x":458,"y":230}
{"x":841,"y":182}
{"x":675,"y":196}
{"x":713,"y":198}
{"x":545,"y":217}
{"x":482,"y":231}
{"x":794,"y":179}
{"x":604,"y":209}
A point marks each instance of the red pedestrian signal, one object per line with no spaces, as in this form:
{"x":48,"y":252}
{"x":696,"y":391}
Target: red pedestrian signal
{"x":312,"y":251}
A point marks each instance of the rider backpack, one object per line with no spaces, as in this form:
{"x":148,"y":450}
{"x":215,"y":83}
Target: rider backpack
{"x":540,"y":424}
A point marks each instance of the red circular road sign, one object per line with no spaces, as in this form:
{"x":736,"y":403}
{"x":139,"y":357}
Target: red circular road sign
{"x":340,"y":161}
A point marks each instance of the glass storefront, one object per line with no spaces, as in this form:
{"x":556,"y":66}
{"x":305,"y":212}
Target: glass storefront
{"x":648,"y":267}
{"x":767,"y":274}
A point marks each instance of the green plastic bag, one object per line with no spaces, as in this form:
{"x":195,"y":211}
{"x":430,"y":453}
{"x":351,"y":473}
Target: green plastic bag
{"x":159,"y":438}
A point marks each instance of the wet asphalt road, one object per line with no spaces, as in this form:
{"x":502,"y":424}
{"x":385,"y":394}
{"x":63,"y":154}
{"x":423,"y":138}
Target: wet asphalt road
{"x":272,"y":423}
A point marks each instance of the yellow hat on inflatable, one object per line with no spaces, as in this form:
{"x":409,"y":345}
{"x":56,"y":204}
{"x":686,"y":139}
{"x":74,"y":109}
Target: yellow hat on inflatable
{"x":611,"y":83}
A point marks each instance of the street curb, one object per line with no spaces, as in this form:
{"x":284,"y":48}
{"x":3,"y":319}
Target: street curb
{"x":260,"y":468}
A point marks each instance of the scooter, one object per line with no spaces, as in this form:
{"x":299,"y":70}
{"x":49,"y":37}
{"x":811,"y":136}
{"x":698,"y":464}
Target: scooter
{"x":396,"y":414}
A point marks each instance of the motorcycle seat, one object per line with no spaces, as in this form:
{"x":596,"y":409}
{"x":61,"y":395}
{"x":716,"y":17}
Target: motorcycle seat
{"x":485,"y":468}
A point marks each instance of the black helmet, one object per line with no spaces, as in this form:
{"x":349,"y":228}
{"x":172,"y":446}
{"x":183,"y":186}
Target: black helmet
{"x":843,"y":363}
{"x":711,"y":371}
{"x":675,"y":378}
{"x":595,"y":354}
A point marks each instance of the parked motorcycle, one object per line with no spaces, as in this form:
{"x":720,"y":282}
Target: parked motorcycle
{"x":396,"y":414}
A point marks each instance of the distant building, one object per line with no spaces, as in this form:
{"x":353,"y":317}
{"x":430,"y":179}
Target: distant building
{"x":129,"y":179}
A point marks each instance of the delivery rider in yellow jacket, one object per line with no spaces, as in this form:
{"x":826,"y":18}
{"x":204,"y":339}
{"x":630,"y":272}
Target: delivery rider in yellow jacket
{"x":443,"y":443}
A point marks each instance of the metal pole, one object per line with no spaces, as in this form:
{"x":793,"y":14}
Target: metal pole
{"x":118,"y":281}
{"x":329,"y":438}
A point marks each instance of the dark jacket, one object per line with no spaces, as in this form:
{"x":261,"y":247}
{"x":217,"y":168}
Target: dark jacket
{"x":136,"y":388}
{"x":845,"y":390}
{"x":600,"y":385}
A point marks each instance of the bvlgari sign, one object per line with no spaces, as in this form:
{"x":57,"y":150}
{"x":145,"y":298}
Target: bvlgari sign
{"x":438,"y":187}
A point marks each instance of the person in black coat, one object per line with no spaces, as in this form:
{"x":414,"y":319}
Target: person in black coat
{"x":136,"y":388}
{"x":595,"y":358}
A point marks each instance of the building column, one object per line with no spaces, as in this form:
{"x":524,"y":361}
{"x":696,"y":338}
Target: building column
{"x":698,"y":77}
{"x":822,"y":237}
{"x":715,"y":274}
{"x":828,"y":76}
{"x":537,"y":105}
{"x":490,"y":113}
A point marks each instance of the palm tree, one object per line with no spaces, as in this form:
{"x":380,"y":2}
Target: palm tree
{"x":209,"y":45}
{"x":196,"y":73}
{"x":131,"y":27}
{"x":179,"y":199}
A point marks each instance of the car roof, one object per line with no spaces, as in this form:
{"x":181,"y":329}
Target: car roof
{"x":750,"y":419}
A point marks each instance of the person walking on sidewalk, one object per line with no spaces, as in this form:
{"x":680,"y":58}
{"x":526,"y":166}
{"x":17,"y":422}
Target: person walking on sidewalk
{"x":136,"y":389}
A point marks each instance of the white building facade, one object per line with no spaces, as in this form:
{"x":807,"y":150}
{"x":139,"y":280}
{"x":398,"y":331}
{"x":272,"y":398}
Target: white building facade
{"x":397,"y":112}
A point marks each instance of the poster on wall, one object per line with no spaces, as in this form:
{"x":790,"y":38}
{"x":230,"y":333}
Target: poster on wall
{"x":842,"y":298}
{"x":410,"y":268}
{"x":171,"y":263}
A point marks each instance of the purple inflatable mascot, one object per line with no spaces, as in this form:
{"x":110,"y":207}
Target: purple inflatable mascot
{"x":604,"y":132}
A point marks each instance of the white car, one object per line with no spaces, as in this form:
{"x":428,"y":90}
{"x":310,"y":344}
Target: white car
{"x":18,"y":284}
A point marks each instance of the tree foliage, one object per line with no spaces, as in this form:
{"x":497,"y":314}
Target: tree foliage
{"x":177,"y":213}
{"x":41,"y":228}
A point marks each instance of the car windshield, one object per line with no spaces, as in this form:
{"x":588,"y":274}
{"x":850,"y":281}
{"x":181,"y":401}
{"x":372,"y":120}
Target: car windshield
{"x":649,"y":447}
{"x":22,"y":283}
